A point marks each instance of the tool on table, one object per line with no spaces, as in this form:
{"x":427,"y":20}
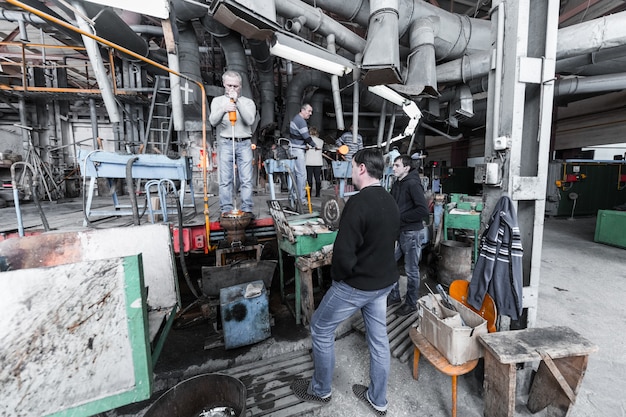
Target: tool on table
{"x":445,"y":299}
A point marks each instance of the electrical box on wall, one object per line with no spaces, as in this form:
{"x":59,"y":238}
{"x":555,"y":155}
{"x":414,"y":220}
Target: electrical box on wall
{"x":488,"y":174}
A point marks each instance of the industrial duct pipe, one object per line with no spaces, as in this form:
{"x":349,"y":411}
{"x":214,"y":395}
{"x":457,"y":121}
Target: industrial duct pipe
{"x":421,"y":67}
{"x":381,"y":56}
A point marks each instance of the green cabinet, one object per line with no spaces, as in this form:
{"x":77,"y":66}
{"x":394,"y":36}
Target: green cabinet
{"x":610,"y":228}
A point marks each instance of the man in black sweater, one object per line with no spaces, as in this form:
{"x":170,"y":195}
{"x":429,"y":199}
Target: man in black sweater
{"x":363,"y":271}
{"x":409,"y":194}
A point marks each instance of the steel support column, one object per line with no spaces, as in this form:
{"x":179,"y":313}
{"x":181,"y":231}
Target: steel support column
{"x":519,"y":117}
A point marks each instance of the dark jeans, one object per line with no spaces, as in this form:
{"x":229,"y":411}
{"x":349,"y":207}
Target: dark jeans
{"x":311,"y":172}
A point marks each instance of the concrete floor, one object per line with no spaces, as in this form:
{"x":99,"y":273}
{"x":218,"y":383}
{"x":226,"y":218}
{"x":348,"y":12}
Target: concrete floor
{"x":580,"y":288}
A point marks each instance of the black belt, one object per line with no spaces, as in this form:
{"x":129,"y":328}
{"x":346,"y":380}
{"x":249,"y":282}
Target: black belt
{"x":235,"y":139}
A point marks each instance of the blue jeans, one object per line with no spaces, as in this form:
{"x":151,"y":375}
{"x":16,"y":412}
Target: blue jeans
{"x":300,"y":172}
{"x":243,"y":160}
{"x":409,"y":245}
{"x":339,"y":303}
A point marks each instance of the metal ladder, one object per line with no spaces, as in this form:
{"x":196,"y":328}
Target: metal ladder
{"x":158,"y":133}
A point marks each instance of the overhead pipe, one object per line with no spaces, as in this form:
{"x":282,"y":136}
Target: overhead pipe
{"x":421,"y":66}
{"x":234,"y":53}
{"x":381,"y":124}
{"x":295,"y":90}
{"x":104,"y":82}
{"x":36,"y":4}
{"x":265,"y":65}
{"x":590,"y":85}
{"x":572,"y":42}
{"x":317,"y":102}
{"x":593,"y":35}
{"x":318,"y":22}
{"x":606,"y":61}
{"x":108,"y":25}
{"x":93,"y":115}
{"x":381,"y":56}
{"x":439,"y":132}
{"x":459,"y":35}
{"x":356,"y":98}
{"x":185,"y":11}
{"x":189,"y":60}
{"x":392,"y":125}
{"x":295,"y":25}
{"x":334,"y":81}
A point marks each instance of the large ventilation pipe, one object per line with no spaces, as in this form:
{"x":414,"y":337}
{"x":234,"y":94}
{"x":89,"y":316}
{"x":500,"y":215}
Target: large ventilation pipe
{"x":317,"y":102}
{"x":459,"y":34}
{"x":572,"y":41}
{"x":590,"y":85}
{"x":104,"y":82}
{"x":189,"y":60}
{"x":381,"y":56}
{"x":321,"y":23}
{"x":110,"y":26}
{"x":186,"y":11}
{"x":421,"y":67}
{"x":265,"y":65}
{"x":234,"y":52}
{"x":334,"y":80}
{"x":295,"y":93}
{"x":36,"y":4}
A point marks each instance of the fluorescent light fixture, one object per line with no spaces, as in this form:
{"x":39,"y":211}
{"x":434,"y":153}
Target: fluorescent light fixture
{"x":154,"y":8}
{"x":309,"y":54}
{"x":388,"y":94}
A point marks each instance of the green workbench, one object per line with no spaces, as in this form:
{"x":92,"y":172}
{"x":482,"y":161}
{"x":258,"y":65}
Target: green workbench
{"x":463,"y":212}
{"x":290,"y":237}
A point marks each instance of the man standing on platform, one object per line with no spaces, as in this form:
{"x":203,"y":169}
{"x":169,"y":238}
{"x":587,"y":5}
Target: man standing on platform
{"x":300,"y":137}
{"x":363,"y":271}
{"x":234,"y":115}
{"x":409,"y":194}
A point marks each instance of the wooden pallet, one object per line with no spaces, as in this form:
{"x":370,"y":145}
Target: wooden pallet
{"x":400,"y":343}
{"x":268,"y":384}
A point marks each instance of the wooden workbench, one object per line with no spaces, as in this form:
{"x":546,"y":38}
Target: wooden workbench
{"x":563,"y":354}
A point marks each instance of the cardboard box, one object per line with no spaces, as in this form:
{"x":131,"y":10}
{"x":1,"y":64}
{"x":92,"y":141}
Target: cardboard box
{"x":453,"y":333}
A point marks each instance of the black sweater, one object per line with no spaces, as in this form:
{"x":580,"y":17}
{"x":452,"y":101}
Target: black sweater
{"x":363,"y":254}
{"x":409,"y":195}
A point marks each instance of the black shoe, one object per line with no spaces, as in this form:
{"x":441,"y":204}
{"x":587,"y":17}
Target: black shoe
{"x":300,"y":389}
{"x":406,"y":309}
{"x":393,"y":301}
{"x":360,"y":391}
{"x":250,"y":215}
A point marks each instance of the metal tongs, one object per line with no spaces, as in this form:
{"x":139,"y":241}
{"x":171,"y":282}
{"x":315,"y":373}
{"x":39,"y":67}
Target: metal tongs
{"x":445,"y":299}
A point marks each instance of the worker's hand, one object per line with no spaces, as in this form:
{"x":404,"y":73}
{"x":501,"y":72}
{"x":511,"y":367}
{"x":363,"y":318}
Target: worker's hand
{"x":231,"y":106}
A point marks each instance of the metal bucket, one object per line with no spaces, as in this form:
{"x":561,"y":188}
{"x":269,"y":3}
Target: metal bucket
{"x":455,"y":261}
{"x":207,"y":394}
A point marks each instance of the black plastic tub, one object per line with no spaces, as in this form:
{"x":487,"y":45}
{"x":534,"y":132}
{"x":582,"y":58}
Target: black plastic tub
{"x":202,"y":395}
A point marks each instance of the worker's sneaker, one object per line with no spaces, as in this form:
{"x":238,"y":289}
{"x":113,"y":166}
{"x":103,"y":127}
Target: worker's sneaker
{"x":360,"y":391}
{"x":405,"y":309}
{"x":300,"y":388}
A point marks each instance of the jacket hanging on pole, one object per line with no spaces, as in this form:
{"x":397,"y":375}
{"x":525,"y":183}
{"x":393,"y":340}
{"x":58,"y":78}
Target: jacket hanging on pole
{"x":498,"y":269}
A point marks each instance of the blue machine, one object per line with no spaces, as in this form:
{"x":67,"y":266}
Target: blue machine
{"x":245,"y":314}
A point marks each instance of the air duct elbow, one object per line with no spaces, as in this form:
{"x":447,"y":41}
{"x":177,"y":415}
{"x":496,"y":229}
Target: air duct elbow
{"x":421,"y":63}
{"x":381,"y":60}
